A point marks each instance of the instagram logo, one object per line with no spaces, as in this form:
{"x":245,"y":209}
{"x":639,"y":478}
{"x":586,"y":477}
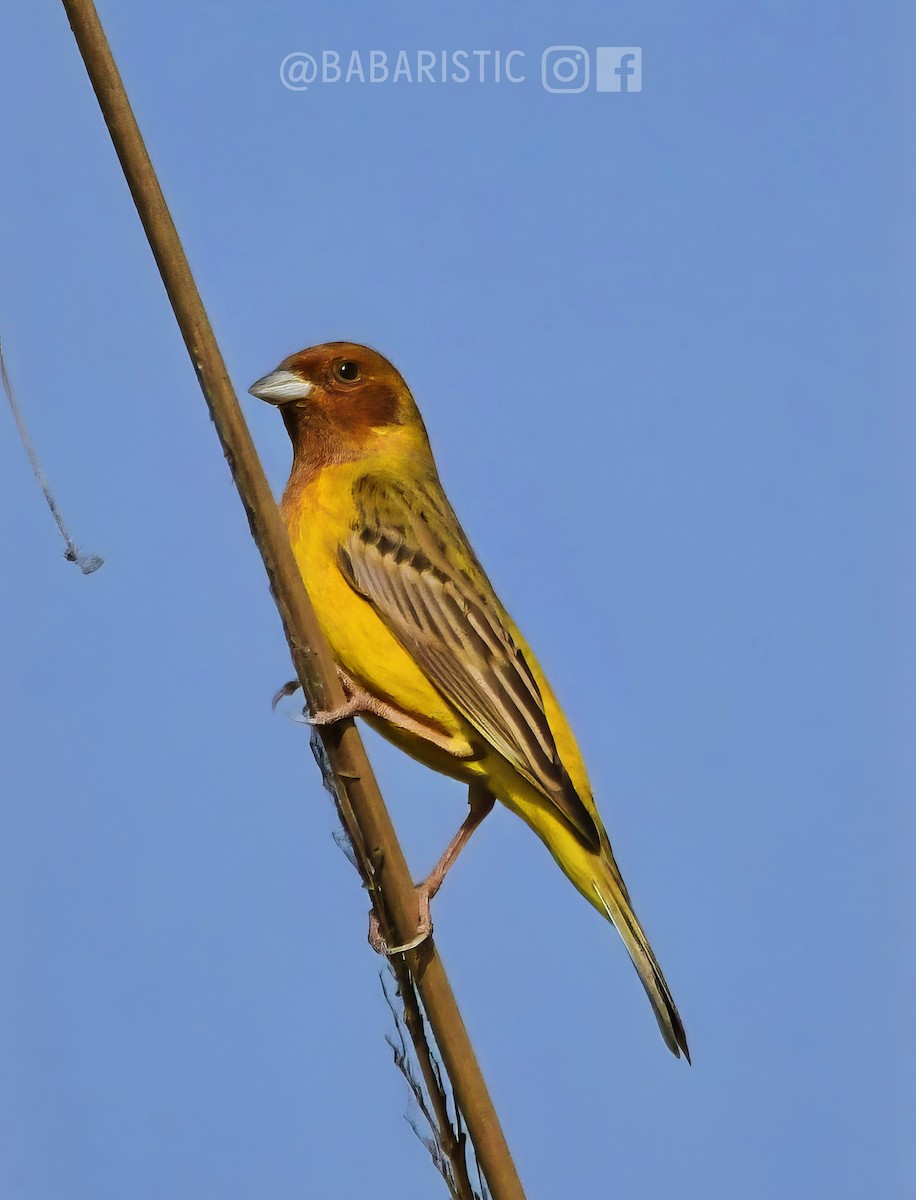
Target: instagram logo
{"x":565,"y":69}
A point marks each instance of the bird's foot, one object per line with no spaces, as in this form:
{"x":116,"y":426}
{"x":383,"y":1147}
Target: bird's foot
{"x":360,"y":703}
{"x":424,"y":926}
{"x":481,"y":803}
{"x":356,"y":703}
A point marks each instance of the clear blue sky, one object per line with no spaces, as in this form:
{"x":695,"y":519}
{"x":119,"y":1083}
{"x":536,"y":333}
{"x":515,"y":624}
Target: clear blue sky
{"x":659,"y":342}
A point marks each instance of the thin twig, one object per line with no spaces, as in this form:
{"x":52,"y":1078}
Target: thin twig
{"x":451,"y":1140}
{"x":448,"y":1146}
{"x":87,"y":563}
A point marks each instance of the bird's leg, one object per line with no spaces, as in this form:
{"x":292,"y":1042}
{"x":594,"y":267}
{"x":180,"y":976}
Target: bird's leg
{"x":481,"y":802}
{"x":359,"y":702}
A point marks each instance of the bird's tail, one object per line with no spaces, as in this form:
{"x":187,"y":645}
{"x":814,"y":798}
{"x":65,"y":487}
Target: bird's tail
{"x":611,"y":898}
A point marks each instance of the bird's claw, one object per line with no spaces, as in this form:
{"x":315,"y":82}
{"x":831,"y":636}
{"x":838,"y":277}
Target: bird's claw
{"x":350,"y":708}
{"x":424,"y":928}
{"x":289,"y":689}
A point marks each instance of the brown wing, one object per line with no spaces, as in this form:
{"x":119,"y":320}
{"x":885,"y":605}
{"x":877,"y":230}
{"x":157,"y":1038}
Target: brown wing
{"x":408,"y":556}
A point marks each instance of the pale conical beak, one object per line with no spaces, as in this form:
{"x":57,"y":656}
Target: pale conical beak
{"x":279,"y":387}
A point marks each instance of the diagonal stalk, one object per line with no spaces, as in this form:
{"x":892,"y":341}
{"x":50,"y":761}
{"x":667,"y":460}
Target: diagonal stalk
{"x":378,"y":852}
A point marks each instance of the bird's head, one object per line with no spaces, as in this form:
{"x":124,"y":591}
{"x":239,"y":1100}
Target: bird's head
{"x":340,"y":401}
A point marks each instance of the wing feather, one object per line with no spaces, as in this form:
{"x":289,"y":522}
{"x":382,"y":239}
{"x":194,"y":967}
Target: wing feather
{"x":407,"y":555}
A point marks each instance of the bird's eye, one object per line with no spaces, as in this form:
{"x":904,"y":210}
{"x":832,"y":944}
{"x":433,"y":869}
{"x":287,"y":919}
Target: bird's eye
{"x":347,"y":371}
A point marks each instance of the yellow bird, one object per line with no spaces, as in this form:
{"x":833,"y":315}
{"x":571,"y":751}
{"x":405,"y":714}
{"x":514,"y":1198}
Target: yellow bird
{"x":426,"y":653}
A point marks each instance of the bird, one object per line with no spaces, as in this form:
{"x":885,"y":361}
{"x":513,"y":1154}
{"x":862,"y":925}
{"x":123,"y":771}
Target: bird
{"x":426,"y":653}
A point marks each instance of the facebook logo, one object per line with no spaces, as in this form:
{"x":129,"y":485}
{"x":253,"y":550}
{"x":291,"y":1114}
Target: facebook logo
{"x":618,"y":68}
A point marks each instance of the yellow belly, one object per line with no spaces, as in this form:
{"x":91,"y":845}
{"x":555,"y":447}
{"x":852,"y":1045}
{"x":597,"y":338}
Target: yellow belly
{"x":319,"y":523}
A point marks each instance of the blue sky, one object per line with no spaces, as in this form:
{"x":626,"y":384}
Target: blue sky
{"x":659,"y":343}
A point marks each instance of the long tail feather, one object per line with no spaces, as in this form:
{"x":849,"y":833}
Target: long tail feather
{"x":615,"y":901}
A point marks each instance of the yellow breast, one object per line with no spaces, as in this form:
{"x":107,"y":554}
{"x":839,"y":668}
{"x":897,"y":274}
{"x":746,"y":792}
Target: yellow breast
{"x":319,"y":518}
